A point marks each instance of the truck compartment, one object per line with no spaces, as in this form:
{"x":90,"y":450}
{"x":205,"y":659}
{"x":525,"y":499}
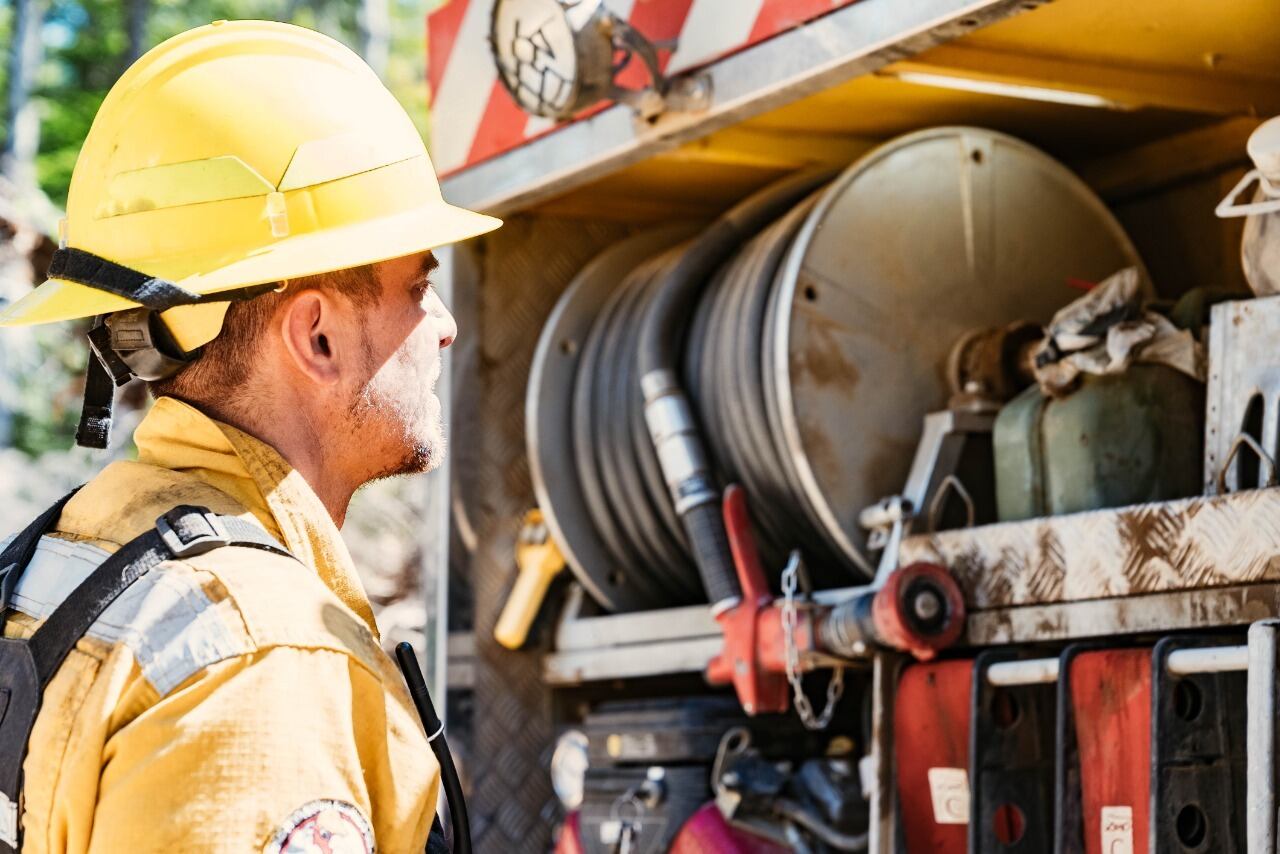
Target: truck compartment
{"x":1148,"y":105}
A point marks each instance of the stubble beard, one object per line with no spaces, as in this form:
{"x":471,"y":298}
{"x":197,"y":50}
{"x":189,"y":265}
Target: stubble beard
{"x":384,"y":415}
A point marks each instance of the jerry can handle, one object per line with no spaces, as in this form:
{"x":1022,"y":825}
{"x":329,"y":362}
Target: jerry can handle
{"x":950,"y":484}
{"x":1246,"y":440}
{"x":1231,"y":207}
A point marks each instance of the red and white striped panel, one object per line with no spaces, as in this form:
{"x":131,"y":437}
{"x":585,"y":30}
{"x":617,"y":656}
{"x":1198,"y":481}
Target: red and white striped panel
{"x":472,"y":116}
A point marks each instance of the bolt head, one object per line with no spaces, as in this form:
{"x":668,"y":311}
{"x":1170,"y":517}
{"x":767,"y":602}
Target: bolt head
{"x":927,"y":605}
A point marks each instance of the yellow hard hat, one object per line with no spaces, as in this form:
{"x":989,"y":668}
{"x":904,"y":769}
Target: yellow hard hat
{"x":233,"y":155}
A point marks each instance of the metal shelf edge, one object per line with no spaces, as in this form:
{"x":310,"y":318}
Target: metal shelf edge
{"x":843,"y":44}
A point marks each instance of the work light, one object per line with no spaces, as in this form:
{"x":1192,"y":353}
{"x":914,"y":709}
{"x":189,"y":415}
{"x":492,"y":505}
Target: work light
{"x":557,"y":57}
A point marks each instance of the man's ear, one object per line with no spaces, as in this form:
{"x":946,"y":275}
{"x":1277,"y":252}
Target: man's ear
{"x":309,"y":328}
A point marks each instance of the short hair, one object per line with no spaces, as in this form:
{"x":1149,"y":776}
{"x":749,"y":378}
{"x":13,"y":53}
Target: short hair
{"x":226,"y":363}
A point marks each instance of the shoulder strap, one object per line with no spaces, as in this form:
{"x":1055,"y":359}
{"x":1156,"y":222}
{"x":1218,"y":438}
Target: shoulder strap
{"x":27,"y":667}
{"x":184,"y":531}
{"x":14,"y":559}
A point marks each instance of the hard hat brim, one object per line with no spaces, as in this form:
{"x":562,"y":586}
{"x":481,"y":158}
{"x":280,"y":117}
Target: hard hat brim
{"x":417,"y":230}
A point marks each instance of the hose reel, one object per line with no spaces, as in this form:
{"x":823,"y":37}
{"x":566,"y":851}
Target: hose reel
{"x":808,"y":331}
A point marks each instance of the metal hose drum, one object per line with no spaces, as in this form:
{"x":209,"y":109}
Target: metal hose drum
{"x":550,"y":412}
{"x":807,"y":334}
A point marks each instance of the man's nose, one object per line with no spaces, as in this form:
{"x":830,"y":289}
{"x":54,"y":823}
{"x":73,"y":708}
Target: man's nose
{"x":447,"y":326}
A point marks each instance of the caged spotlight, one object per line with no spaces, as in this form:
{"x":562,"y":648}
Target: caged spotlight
{"x":557,"y":57}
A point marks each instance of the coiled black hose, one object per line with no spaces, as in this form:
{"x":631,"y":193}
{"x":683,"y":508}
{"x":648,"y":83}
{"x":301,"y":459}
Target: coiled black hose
{"x":614,"y":460}
{"x":659,"y":353}
{"x":689,"y":327}
{"x":727,"y":374}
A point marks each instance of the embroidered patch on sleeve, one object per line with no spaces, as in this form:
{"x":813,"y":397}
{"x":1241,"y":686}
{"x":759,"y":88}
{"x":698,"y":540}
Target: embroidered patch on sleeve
{"x":323,"y":827}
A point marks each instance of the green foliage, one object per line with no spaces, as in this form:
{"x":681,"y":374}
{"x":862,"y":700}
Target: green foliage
{"x":6,"y":38}
{"x":407,"y":70}
{"x":41,"y":387}
{"x":86,"y":49}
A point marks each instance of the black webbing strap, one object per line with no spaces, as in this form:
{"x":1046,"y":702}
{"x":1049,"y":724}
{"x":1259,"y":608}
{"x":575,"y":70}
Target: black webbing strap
{"x":436,"y":842}
{"x":85,"y":268}
{"x":27,"y":667}
{"x":16,"y":556}
{"x":94,"y":271}
{"x":182,"y":532}
{"x":94,"y":429}
{"x":105,"y":370}
{"x":106,"y":367}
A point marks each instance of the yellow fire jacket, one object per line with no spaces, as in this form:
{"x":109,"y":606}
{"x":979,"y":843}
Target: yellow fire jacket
{"x":233,"y":701}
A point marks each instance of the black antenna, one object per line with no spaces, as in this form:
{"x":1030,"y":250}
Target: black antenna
{"x":435,"y":737}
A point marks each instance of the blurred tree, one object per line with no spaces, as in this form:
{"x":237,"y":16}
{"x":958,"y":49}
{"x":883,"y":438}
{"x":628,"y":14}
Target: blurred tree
{"x":85,"y":45}
{"x":375,"y":34}
{"x":6,"y":40}
{"x":22,"y":118}
{"x":136,"y":14}
{"x":80,"y":47}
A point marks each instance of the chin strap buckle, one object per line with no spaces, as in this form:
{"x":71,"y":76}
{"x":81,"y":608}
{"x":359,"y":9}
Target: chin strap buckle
{"x":124,"y":345}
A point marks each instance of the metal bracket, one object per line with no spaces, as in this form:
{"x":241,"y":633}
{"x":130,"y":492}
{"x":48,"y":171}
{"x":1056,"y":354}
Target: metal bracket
{"x":1263,"y":694}
{"x":932,"y":469}
{"x":886,"y":521}
{"x":683,"y":94}
{"x":951,"y":484}
{"x":541,"y":83}
{"x":1243,"y":389}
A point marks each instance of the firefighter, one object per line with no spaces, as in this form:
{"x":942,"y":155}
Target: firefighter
{"x":250,"y":222}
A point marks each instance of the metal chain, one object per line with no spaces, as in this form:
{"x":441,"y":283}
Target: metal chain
{"x":790,"y":619}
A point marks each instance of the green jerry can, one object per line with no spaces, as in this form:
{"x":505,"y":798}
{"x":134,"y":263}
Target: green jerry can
{"x":1116,"y":440}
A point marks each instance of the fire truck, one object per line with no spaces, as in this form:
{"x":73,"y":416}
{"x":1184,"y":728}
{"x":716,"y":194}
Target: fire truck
{"x":865,"y":425}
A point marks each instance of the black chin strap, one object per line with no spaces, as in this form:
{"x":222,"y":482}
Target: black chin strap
{"x":94,"y":430}
{"x":117,"y":353}
{"x":85,"y":268}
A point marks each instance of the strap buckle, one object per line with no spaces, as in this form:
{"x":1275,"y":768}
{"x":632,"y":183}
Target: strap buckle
{"x":189,"y":531}
{"x":8,"y":581}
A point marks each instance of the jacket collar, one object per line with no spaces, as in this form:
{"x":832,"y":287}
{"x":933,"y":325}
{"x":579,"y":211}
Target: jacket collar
{"x":178,"y":437}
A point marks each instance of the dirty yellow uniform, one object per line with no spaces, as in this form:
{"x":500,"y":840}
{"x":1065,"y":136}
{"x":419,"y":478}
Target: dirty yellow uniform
{"x":233,"y":701}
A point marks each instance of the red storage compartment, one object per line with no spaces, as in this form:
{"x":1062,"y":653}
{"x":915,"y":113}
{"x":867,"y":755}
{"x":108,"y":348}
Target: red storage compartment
{"x":931,"y":749}
{"x":1110,"y":692}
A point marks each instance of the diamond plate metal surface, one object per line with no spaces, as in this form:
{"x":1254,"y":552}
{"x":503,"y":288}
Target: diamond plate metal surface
{"x":507,"y":744}
{"x":1189,"y":544}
